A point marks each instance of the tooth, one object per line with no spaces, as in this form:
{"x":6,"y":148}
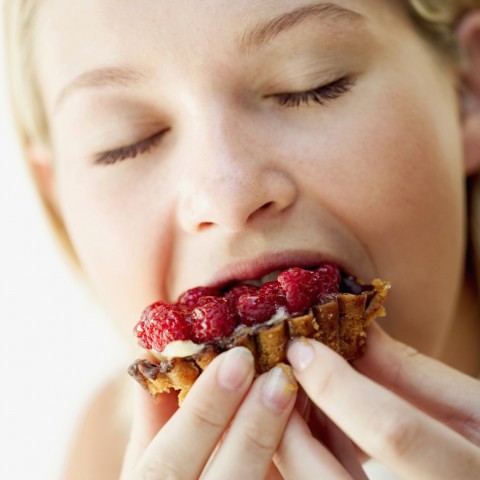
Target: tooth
{"x":258,"y":282}
{"x":270,"y":277}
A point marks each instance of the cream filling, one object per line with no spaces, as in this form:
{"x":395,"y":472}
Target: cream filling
{"x":180,"y":349}
{"x":187,"y":348}
{"x":279,"y":316}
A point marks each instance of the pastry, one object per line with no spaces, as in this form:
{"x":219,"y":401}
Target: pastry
{"x":325,"y":304}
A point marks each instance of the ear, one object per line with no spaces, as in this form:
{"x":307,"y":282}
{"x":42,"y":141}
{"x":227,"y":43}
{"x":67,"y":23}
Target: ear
{"x":40,"y":158}
{"x":468,"y":38}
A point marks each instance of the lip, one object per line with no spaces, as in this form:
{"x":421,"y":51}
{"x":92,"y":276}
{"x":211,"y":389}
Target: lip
{"x":269,"y":262}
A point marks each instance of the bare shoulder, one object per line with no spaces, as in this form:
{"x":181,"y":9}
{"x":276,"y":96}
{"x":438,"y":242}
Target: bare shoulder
{"x":101,"y":438}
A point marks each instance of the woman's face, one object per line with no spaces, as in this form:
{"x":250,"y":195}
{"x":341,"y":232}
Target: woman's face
{"x":188,"y":151}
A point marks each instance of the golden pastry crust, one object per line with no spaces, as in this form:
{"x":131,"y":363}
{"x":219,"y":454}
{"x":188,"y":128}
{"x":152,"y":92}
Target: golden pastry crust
{"x":340,"y":323}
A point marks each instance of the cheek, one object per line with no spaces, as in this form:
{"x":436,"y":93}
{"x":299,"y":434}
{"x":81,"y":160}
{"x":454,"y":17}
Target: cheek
{"x":397,"y":183}
{"x":115,"y":228}
{"x":404,"y":185}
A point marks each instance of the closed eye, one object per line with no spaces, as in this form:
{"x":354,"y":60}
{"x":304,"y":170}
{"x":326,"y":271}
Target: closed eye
{"x":320,"y":95}
{"x":110,"y":157}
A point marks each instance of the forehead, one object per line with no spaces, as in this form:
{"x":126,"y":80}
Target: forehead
{"x":168,"y":21}
{"x":77,"y":37}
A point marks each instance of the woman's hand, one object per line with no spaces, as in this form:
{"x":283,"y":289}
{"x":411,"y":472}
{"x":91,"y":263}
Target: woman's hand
{"x":415,"y":415}
{"x":229,"y":426}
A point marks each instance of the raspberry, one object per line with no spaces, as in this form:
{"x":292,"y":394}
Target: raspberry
{"x":329,"y":277}
{"x":206,"y":299}
{"x":273,"y":289}
{"x":151,"y":307}
{"x":190,"y":297}
{"x":211,"y":320}
{"x":254,"y":309}
{"x":202,"y":314}
{"x":236,"y":292}
{"x":162,"y":324}
{"x":301,"y":288}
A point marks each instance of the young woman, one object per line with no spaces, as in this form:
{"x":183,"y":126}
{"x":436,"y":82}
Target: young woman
{"x":176,"y":143}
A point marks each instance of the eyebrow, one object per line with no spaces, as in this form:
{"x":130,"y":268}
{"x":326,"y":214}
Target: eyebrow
{"x":264,"y":33}
{"x":102,"y":77}
{"x":251,"y":39}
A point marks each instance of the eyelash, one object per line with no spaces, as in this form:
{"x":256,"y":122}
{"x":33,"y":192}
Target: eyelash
{"x":319,"y":95}
{"x":130,"y":151}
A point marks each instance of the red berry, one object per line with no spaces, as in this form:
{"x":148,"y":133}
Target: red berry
{"x":151,"y":307}
{"x":212,"y":320}
{"x":202,"y":314}
{"x":236,"y":292}
{"x":253,"y":309}
{"x":301,"y":288}
{"x":190,"y":297}
{"x":162,"y":325}
{"x":206,"y":299}
{"x":329,"y":277}
{"x":274,"y":289}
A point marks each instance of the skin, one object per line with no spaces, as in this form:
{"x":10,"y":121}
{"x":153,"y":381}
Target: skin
{"x":372,"y":179}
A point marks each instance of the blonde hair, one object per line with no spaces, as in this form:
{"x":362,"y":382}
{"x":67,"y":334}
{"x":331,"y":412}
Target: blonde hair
{"x":27,"y":107}
{"x":435,"y":19}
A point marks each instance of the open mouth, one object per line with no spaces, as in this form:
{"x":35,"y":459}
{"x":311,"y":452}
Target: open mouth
{"x":347,"y":283}
{"x":204,"y":313}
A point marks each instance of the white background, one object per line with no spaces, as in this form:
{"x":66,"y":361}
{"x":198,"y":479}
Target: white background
{"x":56,"y":347}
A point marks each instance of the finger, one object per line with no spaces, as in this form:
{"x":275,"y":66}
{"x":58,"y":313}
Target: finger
{"x":319,"y":426}
{"x":302,"y":404}
{"x":389,"y":429}
{"x":301,"y":457}
{"x":199,"y":424}
{"x":439,"y":390}
{"x":149,"y":417}
{"x":249,"y":445}
{"x":338,"y":444}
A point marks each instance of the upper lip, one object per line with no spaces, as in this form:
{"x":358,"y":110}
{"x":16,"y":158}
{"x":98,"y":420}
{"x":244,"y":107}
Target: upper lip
{"x":266,"y":263}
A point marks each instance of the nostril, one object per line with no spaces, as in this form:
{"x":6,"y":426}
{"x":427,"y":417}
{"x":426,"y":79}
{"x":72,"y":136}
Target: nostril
{"x":204,"y":225}
{"x":231,"y":202}
{"x":264,"y":207}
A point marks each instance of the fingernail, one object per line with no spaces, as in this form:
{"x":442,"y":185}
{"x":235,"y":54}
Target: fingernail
{"x":300,"y":354}
{"x":279,"y":388}
{"x":237,"y":364}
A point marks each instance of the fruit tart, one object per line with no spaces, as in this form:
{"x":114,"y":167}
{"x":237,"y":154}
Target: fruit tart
{"x":323,"y":303}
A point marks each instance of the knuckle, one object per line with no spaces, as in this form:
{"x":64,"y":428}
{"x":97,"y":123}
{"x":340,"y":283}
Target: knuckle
{"x":407,"y":351}
{"x":259,"y":441}
{"x":466,"y":423}
{"x":401,"y":365}
{"x":394,"y":433}
{"x":151,"y":473}
{"x":325,"y":383}
{"x":471,"y":427}
{"x":207,"y":416}
{"x":161,"y":469}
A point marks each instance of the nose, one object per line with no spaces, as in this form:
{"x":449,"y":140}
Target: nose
{"x":232,"y":180}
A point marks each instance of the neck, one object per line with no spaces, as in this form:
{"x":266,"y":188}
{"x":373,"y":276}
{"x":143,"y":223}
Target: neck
{"x":462,"y":350}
